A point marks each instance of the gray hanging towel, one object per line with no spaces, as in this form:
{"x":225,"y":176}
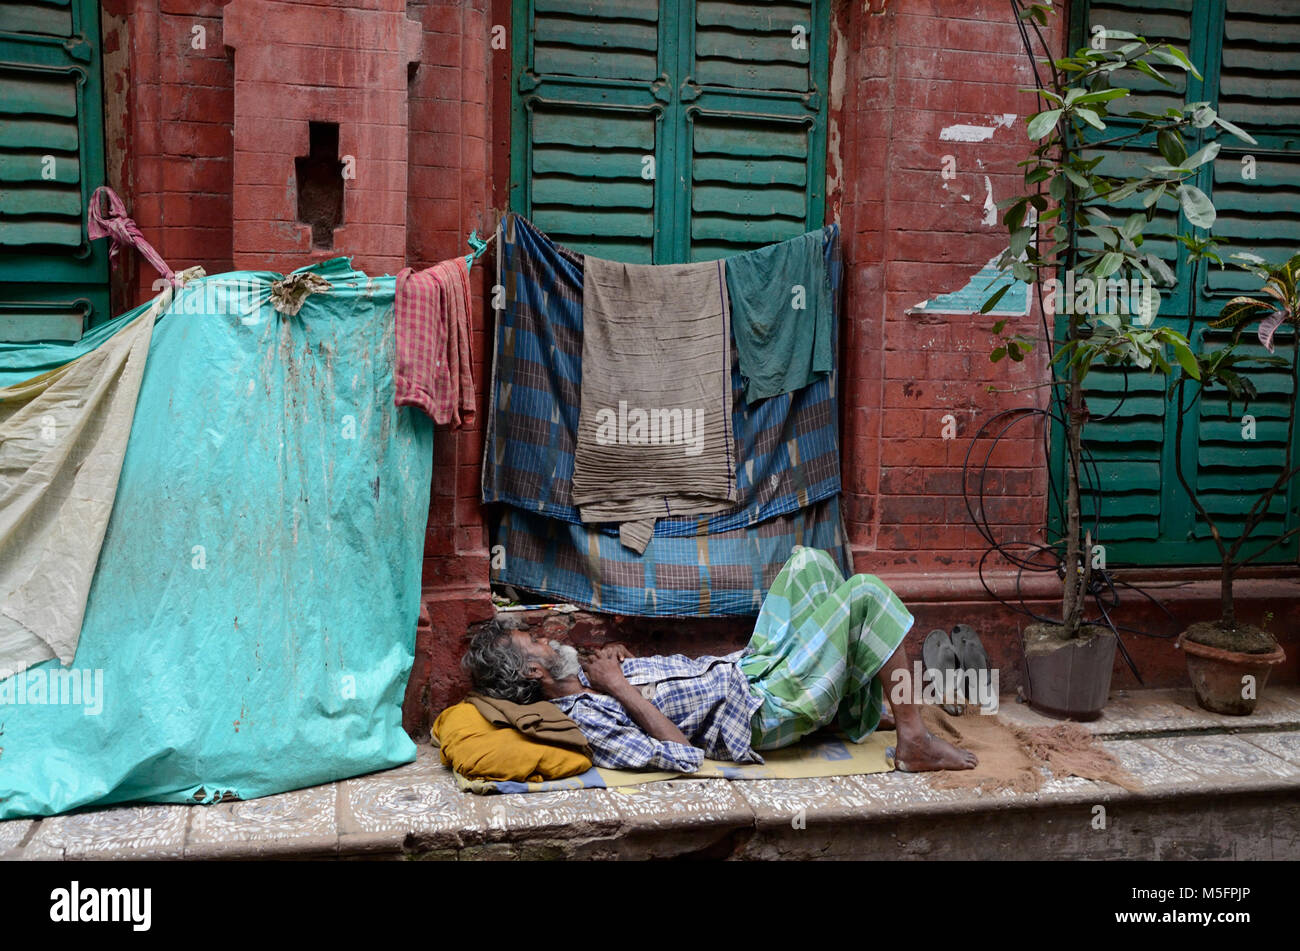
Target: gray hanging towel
{"x":654,"y":427}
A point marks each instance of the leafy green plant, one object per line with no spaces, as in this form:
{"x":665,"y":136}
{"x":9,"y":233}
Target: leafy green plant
{"x":1065,"y":222}
{"x":1277,"y":307}
{"x":1278,"y":304}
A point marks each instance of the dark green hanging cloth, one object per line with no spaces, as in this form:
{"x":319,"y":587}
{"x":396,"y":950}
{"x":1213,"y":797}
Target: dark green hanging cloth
{"x":781,"y":315}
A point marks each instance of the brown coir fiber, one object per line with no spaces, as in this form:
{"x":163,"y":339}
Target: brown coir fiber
{"x":1004,"y":761}
{"x":1011,"y":757}
{"x":1068,"y":749}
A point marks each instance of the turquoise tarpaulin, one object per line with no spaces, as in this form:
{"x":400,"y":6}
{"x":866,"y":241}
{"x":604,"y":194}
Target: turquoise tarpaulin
{"x":251,"y":622}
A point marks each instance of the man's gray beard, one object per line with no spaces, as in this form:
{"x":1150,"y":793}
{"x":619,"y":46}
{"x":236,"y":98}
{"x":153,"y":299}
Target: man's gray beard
{"x":566,"y":662}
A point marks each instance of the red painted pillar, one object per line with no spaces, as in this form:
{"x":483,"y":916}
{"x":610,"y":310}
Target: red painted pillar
{"x":344,"y":63}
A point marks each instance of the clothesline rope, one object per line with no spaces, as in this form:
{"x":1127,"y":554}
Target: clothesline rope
{"x":107,"y":218}
{"x":478,"y":245}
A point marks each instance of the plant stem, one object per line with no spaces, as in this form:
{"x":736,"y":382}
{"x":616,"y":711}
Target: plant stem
{"x":1228,"y":611}
{"x":1073,"y":595}
{"x":1276,"y":541}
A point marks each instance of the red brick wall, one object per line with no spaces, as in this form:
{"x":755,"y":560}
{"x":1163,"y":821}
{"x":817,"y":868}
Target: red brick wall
{"x":910,"y":235}
{"x":344,"y":63}
{"x":898,"y":79}
{"x":169,"y":115}
{"x":449,"y":196}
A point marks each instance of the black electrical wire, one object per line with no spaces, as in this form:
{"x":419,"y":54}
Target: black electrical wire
{"x":1103,"y":590}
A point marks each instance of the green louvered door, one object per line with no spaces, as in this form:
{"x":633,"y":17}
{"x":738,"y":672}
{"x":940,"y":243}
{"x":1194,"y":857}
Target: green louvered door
{"x":752,"y":167}
{"x":1256,"y":188}
{"x":662,"y":132}
{"x":1248,"y":52}
{"x":1238,"y":454}
{"x":52,"y":280}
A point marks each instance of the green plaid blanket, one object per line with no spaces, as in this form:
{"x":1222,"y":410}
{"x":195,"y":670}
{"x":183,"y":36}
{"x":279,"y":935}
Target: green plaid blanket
{"x":818,"y":645}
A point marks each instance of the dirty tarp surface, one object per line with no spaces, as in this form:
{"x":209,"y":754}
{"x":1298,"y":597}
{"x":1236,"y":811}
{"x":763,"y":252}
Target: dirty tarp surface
{"x":250,"y":624}
{"x":787,"y":477}
{"x":63,"y":433}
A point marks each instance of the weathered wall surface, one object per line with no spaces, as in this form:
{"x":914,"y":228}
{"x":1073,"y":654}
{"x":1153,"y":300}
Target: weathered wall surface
{"x":926,"y":128}
{"x":341,"y":64}
{"x":931,"y":128}
{"x":169,"y":89}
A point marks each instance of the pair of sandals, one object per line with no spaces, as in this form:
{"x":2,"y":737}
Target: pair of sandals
{"x":960,"y":651}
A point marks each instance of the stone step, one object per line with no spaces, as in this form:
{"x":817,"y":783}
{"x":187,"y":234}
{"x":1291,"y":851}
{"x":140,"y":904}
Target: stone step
{"x":1209,"y":790}
{"x":1143,"y":713}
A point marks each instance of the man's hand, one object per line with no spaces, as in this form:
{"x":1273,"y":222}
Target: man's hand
{"x":617,"y":652}
{"x":604,"y":672}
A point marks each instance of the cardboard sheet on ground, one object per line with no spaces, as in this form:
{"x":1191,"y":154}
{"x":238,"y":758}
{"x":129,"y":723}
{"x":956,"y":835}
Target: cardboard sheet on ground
{"x":814,"y":757}
{"x":251,"y":620}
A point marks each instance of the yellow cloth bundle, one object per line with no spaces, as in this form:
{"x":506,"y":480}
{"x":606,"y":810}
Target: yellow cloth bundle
{"x":476,"y":749}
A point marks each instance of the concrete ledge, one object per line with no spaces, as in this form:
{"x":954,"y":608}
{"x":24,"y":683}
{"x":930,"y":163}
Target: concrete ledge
{"x":963,"y":584}
{"x":1191,"y":827}
{"x":1213,"y":787}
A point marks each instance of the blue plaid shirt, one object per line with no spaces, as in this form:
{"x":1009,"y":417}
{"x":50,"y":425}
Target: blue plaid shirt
{"x":707,"y":697}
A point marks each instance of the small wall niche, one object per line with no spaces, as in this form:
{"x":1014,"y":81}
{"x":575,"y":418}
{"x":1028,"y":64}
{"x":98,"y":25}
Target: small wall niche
{"x":320,"y":185}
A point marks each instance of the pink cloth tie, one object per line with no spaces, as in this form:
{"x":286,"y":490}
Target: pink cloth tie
{"x":121,"y":230}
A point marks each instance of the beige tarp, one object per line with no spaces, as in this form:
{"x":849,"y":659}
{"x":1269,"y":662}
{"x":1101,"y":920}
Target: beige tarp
{"x":62,"y":438}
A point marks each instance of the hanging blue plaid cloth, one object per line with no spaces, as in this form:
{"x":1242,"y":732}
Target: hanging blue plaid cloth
{"x":788,"y":478}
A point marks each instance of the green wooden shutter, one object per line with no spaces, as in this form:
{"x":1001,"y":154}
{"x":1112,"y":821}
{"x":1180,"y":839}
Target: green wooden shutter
{"x":726,"y":98}
{"x":1258,"y":88}
{"x":1128,"y":450}
{"x":52,"y":280}
{"x":589,"y":105}
{"x":1172,"y":21}
{"x":753,"y":99}
{"x":1249,"y":58}
{"x":1231,"y":470}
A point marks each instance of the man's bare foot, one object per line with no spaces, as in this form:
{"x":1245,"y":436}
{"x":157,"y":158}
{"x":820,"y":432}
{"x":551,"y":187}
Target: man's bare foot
{"x":928,"y":752}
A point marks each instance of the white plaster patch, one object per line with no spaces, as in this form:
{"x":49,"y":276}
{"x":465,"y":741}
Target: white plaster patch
{"x":977,"y":133}
{"x":966,"y":133}
{"x":990,"y":206}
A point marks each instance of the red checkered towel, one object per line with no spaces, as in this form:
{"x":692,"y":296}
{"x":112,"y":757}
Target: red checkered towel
{"x":433,"y":369}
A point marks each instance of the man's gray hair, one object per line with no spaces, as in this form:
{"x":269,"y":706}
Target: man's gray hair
{"x":498,"y":668}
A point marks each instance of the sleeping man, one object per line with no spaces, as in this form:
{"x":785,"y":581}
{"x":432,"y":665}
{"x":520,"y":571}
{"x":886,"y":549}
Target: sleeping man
{"x":818,"y":655}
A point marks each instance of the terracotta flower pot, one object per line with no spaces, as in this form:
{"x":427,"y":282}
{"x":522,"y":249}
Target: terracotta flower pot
{"x":1218,"y":675}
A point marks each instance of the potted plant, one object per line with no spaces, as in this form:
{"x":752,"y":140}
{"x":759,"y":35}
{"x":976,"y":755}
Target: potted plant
{"x":1071,"y":236}
{"x":1229,"y":660}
